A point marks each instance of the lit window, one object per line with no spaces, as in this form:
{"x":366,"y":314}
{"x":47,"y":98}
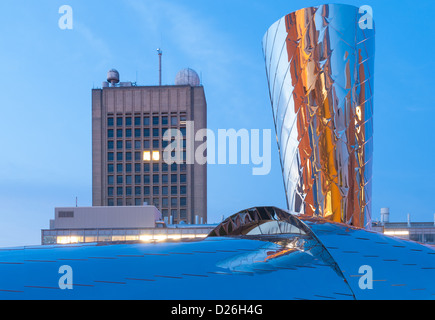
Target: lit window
{"x":156,"y":155}
{"x":146,"y":155}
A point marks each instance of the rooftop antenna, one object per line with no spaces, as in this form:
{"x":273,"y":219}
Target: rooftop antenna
{"x":159,"y":52}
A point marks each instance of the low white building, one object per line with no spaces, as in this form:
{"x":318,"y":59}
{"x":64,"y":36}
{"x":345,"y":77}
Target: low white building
{"x":111,"y":223}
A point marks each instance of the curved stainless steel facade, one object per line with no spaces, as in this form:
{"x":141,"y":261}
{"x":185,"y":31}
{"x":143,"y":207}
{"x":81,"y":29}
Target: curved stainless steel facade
{"x":319,"y":64}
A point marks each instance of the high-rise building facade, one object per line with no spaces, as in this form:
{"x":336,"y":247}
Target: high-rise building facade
{"x":128,"y":124}
{"x":319,"y":64}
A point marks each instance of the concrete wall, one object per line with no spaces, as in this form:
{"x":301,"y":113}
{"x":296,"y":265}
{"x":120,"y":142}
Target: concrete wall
{"x":106,"y":217}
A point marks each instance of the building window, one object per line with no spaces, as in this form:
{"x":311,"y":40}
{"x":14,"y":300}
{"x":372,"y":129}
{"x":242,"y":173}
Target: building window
{"x":146,"y":144}
{"x":137,"y":121}
{"x":137,"y":144}
{"x":156,"y":144}
{"x":119,"y":144}
{"x":183,"y":201}
{"x":164,"y":120}
{"x":156,"y":190}
{"x":137,"y":179}
{"x":119,"y":202}
{"x":137,"y":202}
{"x":174,"y":120}
{"x":127,"y":133}
{"x":165,"y":167}
{"x":174,"y":214}
{"x":183,"y":214}
{"x":155,"y":132}
{"x":146,"y":167}
{"x":146,"y":121}
{"x":128,"y":191}
{"x":165,"y":202}
{"x":110,"y":122}
{"x":128,"y":167}
{"x":110,"y":180}
{"x":173,"y":178}
{"x":119,"y":121}
{"x":128,"y":156}
{"x":156,"y":167}
{"x":119,"y":180}
{"x":146,"y":156}
{"x":164,"y":178}
{"x":146,"y":179}
{"x":110,"y":191}
{"x":183,"y":167}
{"x":119,"y":167}
{"x":174,"y":190}
{"x":164,"y":190}
{"x":110,"y":202}
{"x":110,"y":133}
{"x":110,"y":145}
{"x":146,"y":190}
{"x":128,"y":179}
{"x":128,"y":121}
{"x":110,"y":168}
{"x":174,"y":167}
{"x":119,"y":156}
{"x":119,"y":133}
{"x":110,"y":156}
{"x":156,"y":202}
{"x":429,"y":237}
{"x":155,"y":120}
{"x":137,"y":133}
{"x":137,"y":167}
{"x":156,"y":155}
{"x":183,"y":178}
{"x":183,"y":190}
{"x":146,"y":132}
{"x":174,"y":202}
{"x":155,"y":178}
{"x":137,"y":191}
{"x":119,"y":191}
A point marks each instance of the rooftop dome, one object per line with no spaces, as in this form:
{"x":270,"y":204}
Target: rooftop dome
{"x":113,"y":76}
{"x":187,"y":77}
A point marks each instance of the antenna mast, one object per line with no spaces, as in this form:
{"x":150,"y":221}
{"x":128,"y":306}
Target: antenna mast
{"x":159,"y":52}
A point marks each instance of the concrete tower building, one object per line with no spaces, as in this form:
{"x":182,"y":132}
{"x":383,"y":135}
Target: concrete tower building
{"x":128,"y":124}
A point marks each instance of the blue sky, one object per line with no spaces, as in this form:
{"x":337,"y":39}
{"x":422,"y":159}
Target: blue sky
{"x":48,"y":74}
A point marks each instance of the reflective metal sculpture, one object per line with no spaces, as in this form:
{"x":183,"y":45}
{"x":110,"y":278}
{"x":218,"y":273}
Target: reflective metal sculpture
{"x":319,"y":64}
